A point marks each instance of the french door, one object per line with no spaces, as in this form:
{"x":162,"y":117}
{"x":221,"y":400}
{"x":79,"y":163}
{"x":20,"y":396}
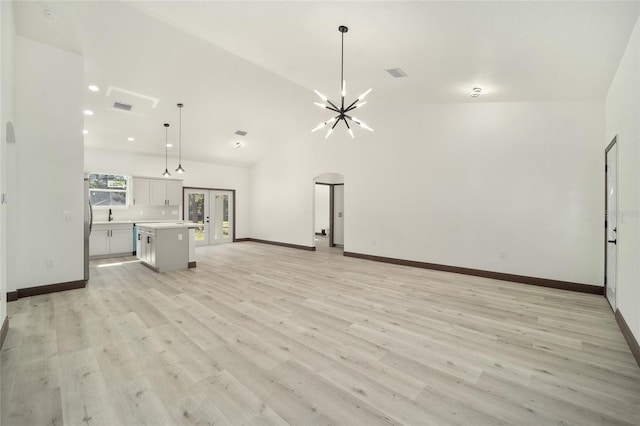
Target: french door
{"x":214,"y":210}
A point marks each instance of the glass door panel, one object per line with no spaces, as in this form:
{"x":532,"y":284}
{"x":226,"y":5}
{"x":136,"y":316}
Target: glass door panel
{"x":197,"y":211}
{"x":222,"y":218}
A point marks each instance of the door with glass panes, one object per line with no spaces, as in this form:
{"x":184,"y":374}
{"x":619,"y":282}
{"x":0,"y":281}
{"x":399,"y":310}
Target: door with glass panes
{"x":213,"y":209}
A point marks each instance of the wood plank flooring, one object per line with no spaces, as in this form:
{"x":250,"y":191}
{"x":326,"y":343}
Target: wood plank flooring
{"x":260,"y":334}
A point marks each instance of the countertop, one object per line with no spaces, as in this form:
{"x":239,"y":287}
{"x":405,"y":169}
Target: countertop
{"x":165,"y":225}
{"x":124,"y":222}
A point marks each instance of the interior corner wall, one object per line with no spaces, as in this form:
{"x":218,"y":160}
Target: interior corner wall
{"x":199,"y":175}
{"x":7,"y":41}
{"x":622,"y":110}
{"x":507,"y":187}
{"x":47,"y":174}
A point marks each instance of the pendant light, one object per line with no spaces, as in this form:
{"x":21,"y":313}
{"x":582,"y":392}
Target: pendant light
{"x":343,"y":112}
{"x":180,"y":169}
{"x":166,"y":150}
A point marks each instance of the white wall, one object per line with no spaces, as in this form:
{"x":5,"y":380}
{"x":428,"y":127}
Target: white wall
{"x":455,"y":184}
{"x":203,"y":175}
{"x":47,"y":174}
{"x":622,"y":108}
{"x":7,"y":40}
{"x":322,"y":208}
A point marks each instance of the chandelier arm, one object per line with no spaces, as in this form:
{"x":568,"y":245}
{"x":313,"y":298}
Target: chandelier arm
{"x":336,"y":123}
{"x":333,"y":105}
{"x":352,"y":106}
{"x":332,"y":108}
{"x":347,"y":123}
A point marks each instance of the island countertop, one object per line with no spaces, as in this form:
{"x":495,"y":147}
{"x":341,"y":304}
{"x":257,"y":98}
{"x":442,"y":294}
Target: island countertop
{"x":168,"y":225}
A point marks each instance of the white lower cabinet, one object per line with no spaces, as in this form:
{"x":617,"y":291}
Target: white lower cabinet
{"x":111,"y":240}
{"x":146,"y":246}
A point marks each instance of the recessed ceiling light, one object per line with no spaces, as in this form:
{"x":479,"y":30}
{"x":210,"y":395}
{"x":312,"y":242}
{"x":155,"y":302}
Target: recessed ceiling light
{"x":396,"y":72}
{"x":477,"y":91}
{"x":131,"y":139}
{"x":84,"y":132}
{"x":94,"y":88}
{"x":169,"y":145}
{"x":87,"y":112}
{"x":50,"y":14}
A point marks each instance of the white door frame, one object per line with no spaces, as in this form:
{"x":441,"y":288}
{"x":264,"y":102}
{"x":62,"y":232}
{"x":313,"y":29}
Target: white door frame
{"x":611,"y":226}
{"x":209,"y":194}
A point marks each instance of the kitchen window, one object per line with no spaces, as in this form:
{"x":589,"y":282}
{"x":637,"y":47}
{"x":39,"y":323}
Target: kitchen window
{"x":108,"y":190}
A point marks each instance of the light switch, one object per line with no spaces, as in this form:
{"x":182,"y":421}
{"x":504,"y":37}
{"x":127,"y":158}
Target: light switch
{"x":179,"y":237}
{"x":67,"y":215}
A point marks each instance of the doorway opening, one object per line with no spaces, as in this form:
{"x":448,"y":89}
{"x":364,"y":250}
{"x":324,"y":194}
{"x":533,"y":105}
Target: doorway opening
{"x":215,"y":210}
{"x":611,"y":223}
{"x":328,"y":223}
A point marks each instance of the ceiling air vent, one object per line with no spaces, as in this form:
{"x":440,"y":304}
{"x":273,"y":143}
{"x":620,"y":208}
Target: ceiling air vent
{"x":241,"y":133}
{"x":121,"y":106}
{"x":396,"y":72}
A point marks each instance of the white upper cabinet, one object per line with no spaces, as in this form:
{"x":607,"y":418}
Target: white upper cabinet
{"x":141,"y":192}
{"x":161,"y":192}
{"x":174,"y":192}
{"x":158,"y":192}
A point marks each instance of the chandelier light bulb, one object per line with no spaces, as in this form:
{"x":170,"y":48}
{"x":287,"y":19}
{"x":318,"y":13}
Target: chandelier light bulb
{"x":361,"y":97}
{"x":323,"y":97}
{"x":323,"y":106}
{"x":329,"y":133}
{"x":351,"y":133}
{"x":364,"y":126}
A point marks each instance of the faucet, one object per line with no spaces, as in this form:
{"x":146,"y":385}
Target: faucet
{"x":110,"y":216}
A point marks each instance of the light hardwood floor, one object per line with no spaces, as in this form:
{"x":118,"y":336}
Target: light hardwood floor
{"x":258,"y":334}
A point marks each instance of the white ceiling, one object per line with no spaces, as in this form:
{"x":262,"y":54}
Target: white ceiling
{"x":252,"y":65}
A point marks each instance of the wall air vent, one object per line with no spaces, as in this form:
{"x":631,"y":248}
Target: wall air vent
{"x":121,"y":106}
{"x":396,"y":72}
{"x":241,"y":133}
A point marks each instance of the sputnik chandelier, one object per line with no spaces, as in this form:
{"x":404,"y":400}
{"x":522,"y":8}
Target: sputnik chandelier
{"x":343,"y":112}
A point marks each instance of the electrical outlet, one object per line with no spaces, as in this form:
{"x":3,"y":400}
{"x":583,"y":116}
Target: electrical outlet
{"x":503,"y":255}
{"x":163,"y":212}
{"x":67,"y":215}
{"x":141,"y":212}
{"x":179,"y":237}
{"x":174,"y":211}
{"x":49,"y":263}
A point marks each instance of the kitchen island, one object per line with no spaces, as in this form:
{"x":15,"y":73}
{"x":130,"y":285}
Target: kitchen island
{"x":165,"y":247}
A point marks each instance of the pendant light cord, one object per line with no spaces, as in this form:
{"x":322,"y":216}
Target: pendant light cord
{"x":342,"y":70}
{"x":342,"y":64}
{"x":180,"y":140}
{"x":166,"y":148}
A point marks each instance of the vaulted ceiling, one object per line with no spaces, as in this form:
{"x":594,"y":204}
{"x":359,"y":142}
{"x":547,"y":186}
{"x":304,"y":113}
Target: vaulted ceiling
{"x":253,"y":66}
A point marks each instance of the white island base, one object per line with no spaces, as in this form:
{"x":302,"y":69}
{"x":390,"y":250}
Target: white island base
{"x":166,"y":247}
